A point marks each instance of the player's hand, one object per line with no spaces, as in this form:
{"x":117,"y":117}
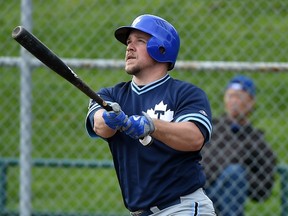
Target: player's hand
{"x":115,"y":119}
{"x":139,"y":126}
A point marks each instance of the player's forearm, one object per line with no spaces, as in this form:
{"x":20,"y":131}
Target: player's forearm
{"x":100,"y":128}
{"x":182,"y":136}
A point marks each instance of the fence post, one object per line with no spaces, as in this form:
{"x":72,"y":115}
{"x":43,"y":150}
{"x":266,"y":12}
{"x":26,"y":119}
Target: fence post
{"x":3,"y":185}
{"x":283,"y":171}
{"x":25,"y":206}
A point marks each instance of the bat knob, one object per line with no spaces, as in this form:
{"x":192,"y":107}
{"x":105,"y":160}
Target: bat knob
{"x":16,"y":31}
{"x":146,"y":140}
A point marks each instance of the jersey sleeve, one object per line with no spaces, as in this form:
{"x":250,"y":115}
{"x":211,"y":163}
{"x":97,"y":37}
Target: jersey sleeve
{"x":194,"y":106}
{"x":89,"y":121}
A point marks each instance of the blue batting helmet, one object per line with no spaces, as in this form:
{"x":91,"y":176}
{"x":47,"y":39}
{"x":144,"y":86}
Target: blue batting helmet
{"x":164,"y":44}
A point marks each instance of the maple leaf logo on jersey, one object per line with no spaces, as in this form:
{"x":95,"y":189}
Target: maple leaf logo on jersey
{"x":160,"y":112}
{"x":136,"y":118}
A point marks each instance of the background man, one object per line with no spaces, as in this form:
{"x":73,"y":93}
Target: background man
{"x":238,"y":162}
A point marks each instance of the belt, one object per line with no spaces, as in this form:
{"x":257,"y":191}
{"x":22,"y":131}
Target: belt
{"x":159,"y":207}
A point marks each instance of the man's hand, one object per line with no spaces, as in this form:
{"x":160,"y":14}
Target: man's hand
{"x":115,"y":119}
{"x":139,"y":126}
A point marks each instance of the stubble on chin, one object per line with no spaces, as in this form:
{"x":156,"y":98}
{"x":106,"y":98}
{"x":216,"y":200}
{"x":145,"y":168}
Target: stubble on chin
{"x":132,"y":70}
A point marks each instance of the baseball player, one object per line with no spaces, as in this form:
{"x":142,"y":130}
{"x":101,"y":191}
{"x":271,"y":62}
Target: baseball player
{"x":165,"y":177}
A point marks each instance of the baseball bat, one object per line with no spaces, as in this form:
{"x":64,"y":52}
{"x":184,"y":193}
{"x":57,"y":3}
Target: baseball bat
{"x":51,"y":60}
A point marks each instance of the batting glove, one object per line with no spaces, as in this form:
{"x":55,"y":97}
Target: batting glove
{"x":115,"y":119}
{"x":139,"y":126}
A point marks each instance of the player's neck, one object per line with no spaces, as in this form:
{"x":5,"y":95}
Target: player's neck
{"x":149,"y":76}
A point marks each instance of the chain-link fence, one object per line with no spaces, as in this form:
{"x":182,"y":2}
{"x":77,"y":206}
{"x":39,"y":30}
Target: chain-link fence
{"x":42,"y":116}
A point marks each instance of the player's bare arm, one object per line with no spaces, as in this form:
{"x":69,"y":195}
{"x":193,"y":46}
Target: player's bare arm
{"x":100,"y":128}
{"x":182,"y":136}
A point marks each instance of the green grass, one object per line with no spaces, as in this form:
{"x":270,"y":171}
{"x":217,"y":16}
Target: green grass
{"x":216,"y":30}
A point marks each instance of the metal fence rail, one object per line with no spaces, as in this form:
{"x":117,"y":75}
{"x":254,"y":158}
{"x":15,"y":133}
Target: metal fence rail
{"x":180,"y":65}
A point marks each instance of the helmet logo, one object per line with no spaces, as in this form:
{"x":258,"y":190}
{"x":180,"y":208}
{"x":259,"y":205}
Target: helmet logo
{"x":137,"y":20}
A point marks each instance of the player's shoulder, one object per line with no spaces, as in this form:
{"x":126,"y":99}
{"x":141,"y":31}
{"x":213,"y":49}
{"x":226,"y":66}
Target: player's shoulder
{"x":185,"y":86}
{"x":122,"y":86}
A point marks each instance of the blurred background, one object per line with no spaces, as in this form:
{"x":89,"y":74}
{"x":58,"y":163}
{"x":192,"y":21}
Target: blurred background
{"x":49,"y":165}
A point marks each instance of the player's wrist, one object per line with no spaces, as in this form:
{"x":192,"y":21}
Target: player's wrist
{"x":150,"y":123}
{"x":115,"y":119}
{"x":139,"y":126}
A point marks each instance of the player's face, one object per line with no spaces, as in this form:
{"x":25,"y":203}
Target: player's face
{"x":238,"y":103}
{"x":137,"y":58}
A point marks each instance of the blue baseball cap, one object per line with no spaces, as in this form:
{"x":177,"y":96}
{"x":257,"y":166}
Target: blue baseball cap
{"x":244,"y":83}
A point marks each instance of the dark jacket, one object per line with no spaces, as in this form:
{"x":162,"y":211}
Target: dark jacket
{"x":232,"y":144}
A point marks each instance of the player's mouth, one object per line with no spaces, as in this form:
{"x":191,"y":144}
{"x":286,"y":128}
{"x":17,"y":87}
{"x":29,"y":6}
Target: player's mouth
{"x":130,"y":57}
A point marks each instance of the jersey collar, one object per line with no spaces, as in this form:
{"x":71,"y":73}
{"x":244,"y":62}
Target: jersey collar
{"x":141,"y":90}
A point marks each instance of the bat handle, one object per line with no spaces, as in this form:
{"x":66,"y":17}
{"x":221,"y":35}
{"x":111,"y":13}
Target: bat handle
{"x":147,"y":140}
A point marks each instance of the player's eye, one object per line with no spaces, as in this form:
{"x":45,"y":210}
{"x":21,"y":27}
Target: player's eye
{"x":142,"y":40}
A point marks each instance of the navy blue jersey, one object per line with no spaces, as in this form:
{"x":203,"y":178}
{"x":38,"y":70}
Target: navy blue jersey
{"x":156,"y":174}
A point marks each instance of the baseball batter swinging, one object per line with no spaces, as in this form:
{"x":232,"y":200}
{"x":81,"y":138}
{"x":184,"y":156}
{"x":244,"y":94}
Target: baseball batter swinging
{"x":164,"y":178}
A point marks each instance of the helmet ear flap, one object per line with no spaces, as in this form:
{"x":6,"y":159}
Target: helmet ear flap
{"x":156,"y":49}
{"x":160,"y":51}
